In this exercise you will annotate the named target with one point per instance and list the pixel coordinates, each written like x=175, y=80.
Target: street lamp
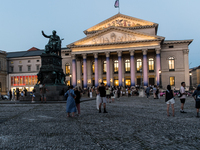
x=70, y=79
x=190, y=81
x=141, y=78
x=160, y=82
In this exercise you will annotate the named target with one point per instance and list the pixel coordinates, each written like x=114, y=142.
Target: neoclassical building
x=126, y=51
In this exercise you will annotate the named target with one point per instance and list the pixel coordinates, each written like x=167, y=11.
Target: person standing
x=154, y=91
x=118, y=92
x=10, y=93
x=33, y=96
x=182, y=98
x=197, y=99
x=108, y=95
x=102, y=92
x=169, y=99
x=147, y=91
x=77, y=99
x=14, y=94
x=71, y=105
x=43, y=93
x=17, y=91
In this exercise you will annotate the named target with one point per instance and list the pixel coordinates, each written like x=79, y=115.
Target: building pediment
x=120, y=20
x=114, y=35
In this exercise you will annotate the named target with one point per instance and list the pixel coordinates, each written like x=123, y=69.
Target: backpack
x=198, y=95
x=179, y=94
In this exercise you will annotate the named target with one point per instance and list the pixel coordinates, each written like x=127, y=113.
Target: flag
x=116, y=4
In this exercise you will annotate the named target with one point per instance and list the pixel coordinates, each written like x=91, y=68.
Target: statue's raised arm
x=45, y=35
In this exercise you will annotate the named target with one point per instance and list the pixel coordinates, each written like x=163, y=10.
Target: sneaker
x=105, y=112
x=184, y=111
x=181, y=111
x=33, y=101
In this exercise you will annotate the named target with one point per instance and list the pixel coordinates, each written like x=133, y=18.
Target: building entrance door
x=151, y=81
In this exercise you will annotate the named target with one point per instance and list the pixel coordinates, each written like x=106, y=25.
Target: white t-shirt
x=182, y=90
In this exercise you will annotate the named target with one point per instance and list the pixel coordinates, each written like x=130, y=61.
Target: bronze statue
x=54, y=44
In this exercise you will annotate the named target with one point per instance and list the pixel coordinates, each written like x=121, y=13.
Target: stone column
x=120, y=67
x=74, y=70
x=186, y=64
x=78, y=72
x=158, y=65
x=132, y=67
x=96, y=69
x=108, y=68
x=145, y=71
x=84, y=70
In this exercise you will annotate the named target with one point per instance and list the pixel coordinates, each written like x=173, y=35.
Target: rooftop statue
x=54, y=44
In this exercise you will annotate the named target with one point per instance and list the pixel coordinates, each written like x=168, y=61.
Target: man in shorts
x=182, y=98
x=43, y=93
x=102, y=91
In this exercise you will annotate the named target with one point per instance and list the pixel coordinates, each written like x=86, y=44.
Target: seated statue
x=54, y=44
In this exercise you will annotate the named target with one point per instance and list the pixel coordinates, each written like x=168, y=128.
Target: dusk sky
x=23, y=20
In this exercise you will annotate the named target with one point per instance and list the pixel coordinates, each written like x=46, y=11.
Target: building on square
x=195, y=76
x=123, y=50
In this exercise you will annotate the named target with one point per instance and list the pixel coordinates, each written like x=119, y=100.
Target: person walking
x=182, y=98
x=154, y=91
x=147, y=91
x=169, y=99
x=71, y=105
x=13, y=94
x=197, y=99
x=102, y=92
x=33, y=96
x=108, y=95
x=77, y=99
x=118, y=92
x=10, y=92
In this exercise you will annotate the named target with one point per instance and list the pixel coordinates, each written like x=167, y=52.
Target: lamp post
x=190, y=81
x=141, y=78
x=70, y=79
x=160, y=82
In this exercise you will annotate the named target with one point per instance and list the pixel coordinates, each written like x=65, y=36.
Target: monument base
x=53, y=92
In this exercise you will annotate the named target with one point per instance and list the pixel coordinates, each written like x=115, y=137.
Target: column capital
x=84, y=55
x=95, y=55
x=185, y=51
x=144, y=51
x=73, y=56
x=132, y=52
x=157, y=50
x=107, y=54
x=119, y=53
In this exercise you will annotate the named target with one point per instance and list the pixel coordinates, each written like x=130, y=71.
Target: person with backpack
x=182, y=96
x=169, y=99
x=197, y=99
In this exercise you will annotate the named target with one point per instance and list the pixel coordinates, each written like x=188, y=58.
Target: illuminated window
x=139, y=65
x=172, y=81
x=116, y=82
x=104, y=67
x=67, y=69
x=128, y=82
x=105, y=82
x=171, y=63
x=93, y=67
x=151, y=65
x=127, y=66
x=116, y=65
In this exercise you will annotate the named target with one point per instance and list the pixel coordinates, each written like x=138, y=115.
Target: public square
x=131, y=123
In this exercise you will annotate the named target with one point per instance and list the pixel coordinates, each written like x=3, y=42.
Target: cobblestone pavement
x=131, y=123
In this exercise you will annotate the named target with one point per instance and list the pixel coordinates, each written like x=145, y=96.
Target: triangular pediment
x=115, y=35
x=120, y=20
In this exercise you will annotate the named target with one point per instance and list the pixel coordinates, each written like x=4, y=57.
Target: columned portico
x=74, y=70
x=120, y=67
x=145, y=73
x=132, y=67
x=84, y=70
x=158, y=66
x=96, y=69
x=108, y=68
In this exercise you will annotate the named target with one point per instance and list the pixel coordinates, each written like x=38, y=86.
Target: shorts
x=102, y=100
x=43, y=95
x=33, y=95
x=108, y=96
x=197, y=104
x=171, y=101
x=182, y=100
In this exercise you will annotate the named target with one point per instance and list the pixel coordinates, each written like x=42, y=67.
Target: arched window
x=93, y=68
x=116, y=65
x=171, y=64
x=151, y=65
x=139, y=65
x=127, y=66
x=67, y=69
x=104, y=67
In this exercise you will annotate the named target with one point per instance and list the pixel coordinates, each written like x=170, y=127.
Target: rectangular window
x=139, y=65
x=11, y=69
x=12, y=81
x=29, y=61
x=38, y=60
x=67, y=69
x=172, y=81
x=38, y=67
x=29, y=68
x=20, y=68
